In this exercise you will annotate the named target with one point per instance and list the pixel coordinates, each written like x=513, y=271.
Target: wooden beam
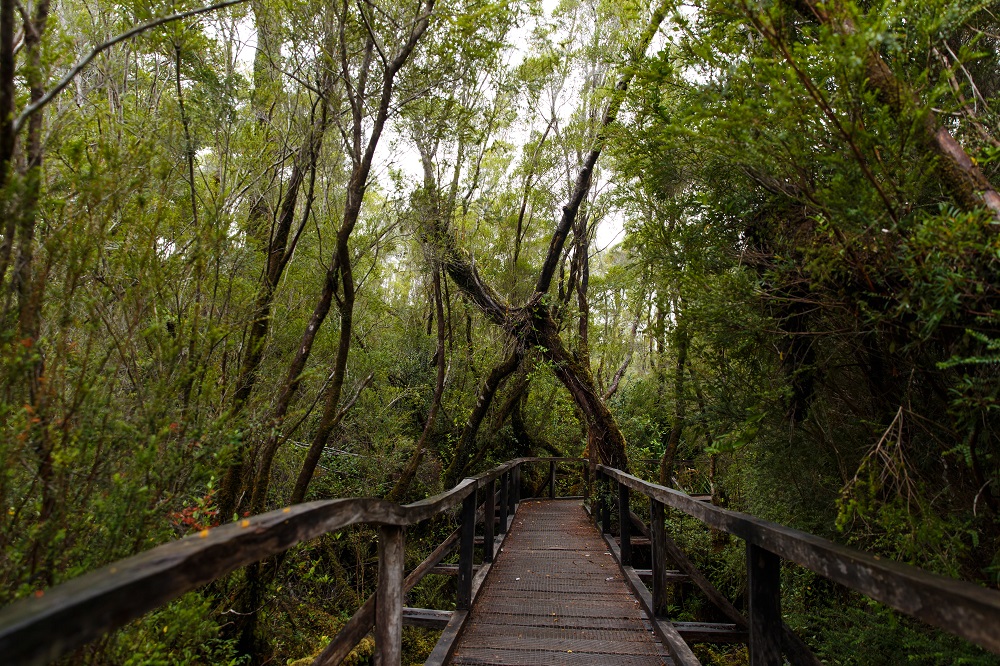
x=364, y=618
x=428, y=618
x=604, y=489
x=711, y=632
x=670, y=577
x=764, y=601
x=678, y=648
x=504, y=501
x=958, y=607
x=389, y=596
x=624, y=524
x=489, y=520
x=657, y=533
x=719, y=600
x=42, y=628
x=446, y=644
x=465, y=554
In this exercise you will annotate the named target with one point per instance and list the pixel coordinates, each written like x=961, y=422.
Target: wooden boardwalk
x=555, y=595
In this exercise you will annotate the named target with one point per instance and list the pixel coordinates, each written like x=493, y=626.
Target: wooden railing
x=960, y=608
x=40, y=629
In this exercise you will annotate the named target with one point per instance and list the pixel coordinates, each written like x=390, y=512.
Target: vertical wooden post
x=764, y=606
x=586, y=481
x=604, y=488
x=657, y=534
x=517, y=488
x=489, y=520
x=624, y=524
x=504, y=500
x=598, y=502
x=467, y=540
x=389, y=596
x=552, y=479
x=511, y=499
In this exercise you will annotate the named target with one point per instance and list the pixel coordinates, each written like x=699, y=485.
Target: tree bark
x=281, y=246
x=8, y=95
x=356, y=188
x=677, y=426
x=459, y=464
x=406, y=478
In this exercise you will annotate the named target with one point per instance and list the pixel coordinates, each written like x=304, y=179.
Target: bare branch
x=31, y=109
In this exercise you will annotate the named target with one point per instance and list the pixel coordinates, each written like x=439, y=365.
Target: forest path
x=556, y=595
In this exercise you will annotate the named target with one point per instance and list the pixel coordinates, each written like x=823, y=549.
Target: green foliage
x=799, y=302
x=183, y=632
x=864, y=632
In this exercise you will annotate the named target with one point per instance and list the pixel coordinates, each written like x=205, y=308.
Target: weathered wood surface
x=710, y=632
x=427, y=618
x=795, y=649
x=446, y=644
x=671, y=577
x=624, y=524
x=555, y=596
x=680, y=651
x=961, y=608
x=40, y=629
x=504, y=501
x=658, y=573
x=466, y=551
x=389, y=596
x=764, y=606
x=489, y=520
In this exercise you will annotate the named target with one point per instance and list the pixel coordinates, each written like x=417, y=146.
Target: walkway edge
x=678, y=647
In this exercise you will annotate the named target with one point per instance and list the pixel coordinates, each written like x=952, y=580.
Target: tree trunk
x=362, y=155
x=331, y=414
x=487, y=392
x=670, y=450
x=281, y=246
x=403, y=483
x=8, y=95
x=603, y=434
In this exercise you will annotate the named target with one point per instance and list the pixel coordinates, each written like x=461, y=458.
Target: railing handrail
x=959, y=607
x=41, y=628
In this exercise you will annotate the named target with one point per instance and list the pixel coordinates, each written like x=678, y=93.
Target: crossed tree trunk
x=532, y=324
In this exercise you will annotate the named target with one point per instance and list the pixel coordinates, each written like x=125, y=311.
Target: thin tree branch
x=31, y=109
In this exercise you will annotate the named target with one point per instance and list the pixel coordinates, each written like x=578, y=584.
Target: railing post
x=389, y=596
x=511, y=498
x=586, y=481
x=657, y=534
x=466, y=550
x=504, y=500
x=624, y=524
x=598, y=503
x=764, y=606
x=552, y=479
x=604, y=490
x=489, y=520
x=516, y=489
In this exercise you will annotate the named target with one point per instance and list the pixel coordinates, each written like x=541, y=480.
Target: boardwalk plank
x=555, y=595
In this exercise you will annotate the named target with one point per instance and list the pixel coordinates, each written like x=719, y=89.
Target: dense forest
x=269, y=251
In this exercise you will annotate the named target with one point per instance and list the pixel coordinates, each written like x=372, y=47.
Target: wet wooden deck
x=555, y=595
